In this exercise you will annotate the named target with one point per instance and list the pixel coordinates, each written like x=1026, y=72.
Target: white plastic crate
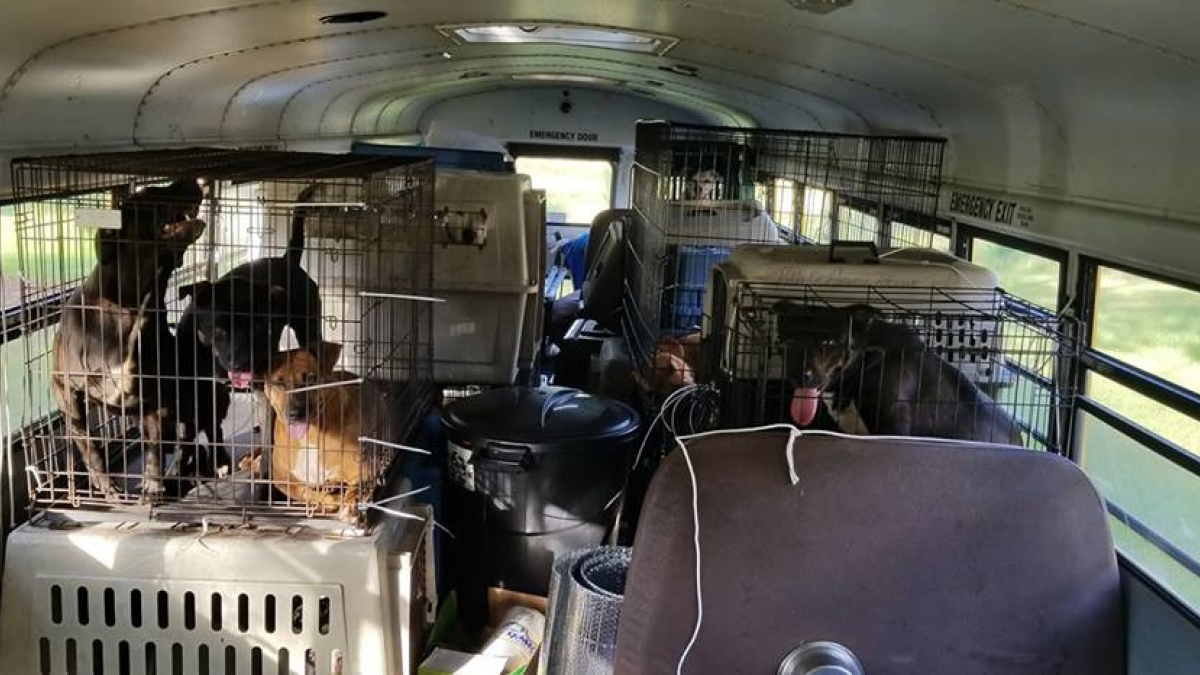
x=487, y=284
x=719, y=223
x=152, y=598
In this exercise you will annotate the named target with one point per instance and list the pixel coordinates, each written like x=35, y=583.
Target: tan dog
x=672, y=366
x=316, y=459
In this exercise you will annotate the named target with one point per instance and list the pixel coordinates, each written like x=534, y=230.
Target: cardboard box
x=500, y=600
x=450, y=662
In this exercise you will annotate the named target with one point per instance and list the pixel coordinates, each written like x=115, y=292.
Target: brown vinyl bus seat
x=922, y=557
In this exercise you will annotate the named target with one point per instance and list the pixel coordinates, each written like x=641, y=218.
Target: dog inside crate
x=216, y=305
x=876, y=375
x=972, y=364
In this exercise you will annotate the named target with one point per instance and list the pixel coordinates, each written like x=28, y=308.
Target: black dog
x=234, y=324
x=898, y=386
x=114, y=347
x=203, y=401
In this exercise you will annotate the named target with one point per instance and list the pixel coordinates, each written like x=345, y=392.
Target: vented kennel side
x=701, y=191
x=367, y=227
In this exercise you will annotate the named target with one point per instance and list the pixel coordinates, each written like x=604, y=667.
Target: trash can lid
x=539, y=415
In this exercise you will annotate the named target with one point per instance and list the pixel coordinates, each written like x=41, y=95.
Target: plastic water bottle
x=517, y=638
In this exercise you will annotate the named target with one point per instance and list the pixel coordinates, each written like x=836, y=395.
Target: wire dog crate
x=964, y=363
x=216, y=332
x=700, y=191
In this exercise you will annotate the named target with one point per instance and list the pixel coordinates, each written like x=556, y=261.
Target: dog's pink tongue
x=804, y=405
x=241, y=378
x=297, y=429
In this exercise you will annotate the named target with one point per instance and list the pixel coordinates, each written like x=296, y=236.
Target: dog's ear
x=327, y=354
x=788, y=320
x=277, y=361
x=861, y=319
x=197, y=291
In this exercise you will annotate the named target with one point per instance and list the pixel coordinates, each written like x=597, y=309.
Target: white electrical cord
x=696, y=551
x=687, y=459
x=670, y=403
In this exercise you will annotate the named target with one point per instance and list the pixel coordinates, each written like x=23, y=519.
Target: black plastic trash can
x=531, y=472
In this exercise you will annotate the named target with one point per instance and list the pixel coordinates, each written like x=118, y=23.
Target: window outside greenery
x=1154, y=326
x=1025, y=275
x=1149, y=324
x=906, y=235
x=783, y=203
x=576, y=189
x=17, y=378
x=1156, y=492
x=817, y=219
x=855, y=225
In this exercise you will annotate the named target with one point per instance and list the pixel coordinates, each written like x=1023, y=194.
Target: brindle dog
x=853, y=356
x=114, y=347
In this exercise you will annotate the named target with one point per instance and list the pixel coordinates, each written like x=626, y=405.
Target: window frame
x=777, y=211
x=1162, y=592
x=1078, y=290
x=965, y=248
x=887, y=213
x=612, y=155
x=1156, y=388
x=860, y=214
x=20, y=319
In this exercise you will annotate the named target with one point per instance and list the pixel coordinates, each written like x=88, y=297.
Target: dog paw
x=152, y=493
x=251, y=462
x=103, y=484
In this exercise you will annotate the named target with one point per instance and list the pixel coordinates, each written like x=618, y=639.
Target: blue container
x=684, y=286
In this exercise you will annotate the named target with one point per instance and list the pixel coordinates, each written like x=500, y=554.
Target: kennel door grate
x=165, y=626
x=267, y=251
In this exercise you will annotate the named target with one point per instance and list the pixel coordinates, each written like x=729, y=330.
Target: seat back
x=920, y=556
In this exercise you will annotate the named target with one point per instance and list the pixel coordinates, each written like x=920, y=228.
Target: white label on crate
x=98, y=219
x=462, y=472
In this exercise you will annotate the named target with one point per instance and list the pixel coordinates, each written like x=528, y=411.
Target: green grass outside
x=576, y=189
x=1155, y=327
x=1152, y=325
x=1156, y=492
x=1027, y=276
x=26, y=389
x=52, y=263
x=54, y=258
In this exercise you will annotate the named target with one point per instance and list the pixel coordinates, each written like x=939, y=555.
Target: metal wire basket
x=175, y=302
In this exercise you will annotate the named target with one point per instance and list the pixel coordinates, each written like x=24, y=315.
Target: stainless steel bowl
x=821, y=658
